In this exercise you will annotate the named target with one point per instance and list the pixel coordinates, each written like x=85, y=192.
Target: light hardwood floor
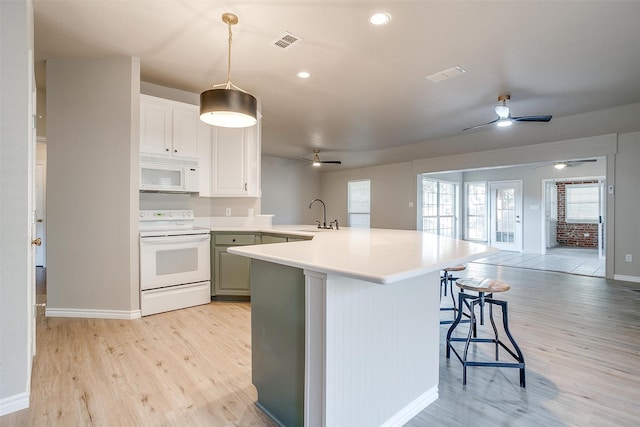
x=580, y=337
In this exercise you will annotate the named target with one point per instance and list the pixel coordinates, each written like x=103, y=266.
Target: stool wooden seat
x=446, y=281
x=485, y=289
x=482, y=285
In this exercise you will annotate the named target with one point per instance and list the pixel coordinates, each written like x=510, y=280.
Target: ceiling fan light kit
x=506, y=119
x=316, y=162
x=226, y=105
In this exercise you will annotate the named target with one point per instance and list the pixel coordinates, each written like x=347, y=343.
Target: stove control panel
x=166, y=215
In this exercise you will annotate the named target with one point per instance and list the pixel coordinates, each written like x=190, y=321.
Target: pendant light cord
x=229, y=58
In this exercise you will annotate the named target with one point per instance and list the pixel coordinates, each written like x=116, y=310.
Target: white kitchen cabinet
x=232, y=163
x=168, y=128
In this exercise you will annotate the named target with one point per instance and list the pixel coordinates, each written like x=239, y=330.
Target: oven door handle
x=162, y=240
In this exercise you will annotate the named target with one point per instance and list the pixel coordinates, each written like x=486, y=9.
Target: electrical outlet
x=628, y=258
x=228, y=213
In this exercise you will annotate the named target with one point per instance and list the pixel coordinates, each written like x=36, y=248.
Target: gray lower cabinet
x=281, y=238
x=273, y=238
x=231, y=274
x=278, y=340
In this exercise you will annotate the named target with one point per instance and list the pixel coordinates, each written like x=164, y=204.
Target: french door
x=505, y=215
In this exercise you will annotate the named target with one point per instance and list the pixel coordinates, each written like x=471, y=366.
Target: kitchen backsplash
x=257, y=221
x=202, y=206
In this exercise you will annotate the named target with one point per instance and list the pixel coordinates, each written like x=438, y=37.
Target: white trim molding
x=14, y=403
x=625, y=278
x=92, y=314
x=413, y=408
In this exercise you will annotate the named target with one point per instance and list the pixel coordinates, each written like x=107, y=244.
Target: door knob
x=37, y=242
x=39, y=220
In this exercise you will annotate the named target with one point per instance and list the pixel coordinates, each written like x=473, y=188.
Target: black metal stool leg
x=454, y=325
x=495, y=330
x=518, y=353
x=472, y=309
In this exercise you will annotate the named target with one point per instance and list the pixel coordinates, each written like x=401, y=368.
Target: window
x=439, y=207
x=359, y=204
x=582, y=203
x=476, y=211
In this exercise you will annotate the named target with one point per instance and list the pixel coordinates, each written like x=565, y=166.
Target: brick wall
x=573, y=234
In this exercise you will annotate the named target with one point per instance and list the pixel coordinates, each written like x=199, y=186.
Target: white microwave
x=168, y=175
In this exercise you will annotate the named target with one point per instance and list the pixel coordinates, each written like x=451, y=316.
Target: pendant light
x=227, y=105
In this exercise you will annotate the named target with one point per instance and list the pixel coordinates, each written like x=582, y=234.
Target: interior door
x=39, y=215
x=31, y=196
x=551, y=214
x=601, y=221
x=505, y=215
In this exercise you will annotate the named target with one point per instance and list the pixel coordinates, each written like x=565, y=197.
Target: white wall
x=92, y=186
x=16, y=39
x=627, y=202
x=288, y=186
x=393, y=187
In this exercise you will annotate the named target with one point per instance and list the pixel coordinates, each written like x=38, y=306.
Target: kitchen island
x=345, y=327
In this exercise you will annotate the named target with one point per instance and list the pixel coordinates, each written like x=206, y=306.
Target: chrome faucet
x=324, y=213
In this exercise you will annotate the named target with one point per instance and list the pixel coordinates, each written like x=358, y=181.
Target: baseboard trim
x=92, y=314
x=14, y=403
x=635, y=279
x=413, y=408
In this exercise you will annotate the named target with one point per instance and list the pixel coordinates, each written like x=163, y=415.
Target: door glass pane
x=505, y=215
x=476, y=211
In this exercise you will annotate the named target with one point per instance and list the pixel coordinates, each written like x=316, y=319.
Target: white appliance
x=174, y=261
x=169, y=175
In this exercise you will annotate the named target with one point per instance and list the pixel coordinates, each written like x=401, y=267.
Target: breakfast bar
x=345, y=327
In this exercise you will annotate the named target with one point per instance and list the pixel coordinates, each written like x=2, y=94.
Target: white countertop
x=375, y=255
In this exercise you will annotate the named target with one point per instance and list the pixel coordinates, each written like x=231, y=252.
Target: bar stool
x=446, y=280
x=485, y=289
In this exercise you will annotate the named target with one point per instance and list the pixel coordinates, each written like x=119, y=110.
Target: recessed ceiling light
x=304, y=75
x=380, y=19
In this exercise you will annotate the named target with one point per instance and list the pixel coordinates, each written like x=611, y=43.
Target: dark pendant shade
x=228, y=108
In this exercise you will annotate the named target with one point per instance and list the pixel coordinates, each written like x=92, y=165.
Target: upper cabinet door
x=155, y=126
x=185, y=131
x=168, y=128
x=229, y=155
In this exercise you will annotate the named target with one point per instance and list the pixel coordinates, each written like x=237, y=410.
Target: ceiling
x=367, y=91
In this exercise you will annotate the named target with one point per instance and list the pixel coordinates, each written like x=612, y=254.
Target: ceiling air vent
x=446, y=74
x=286, y=41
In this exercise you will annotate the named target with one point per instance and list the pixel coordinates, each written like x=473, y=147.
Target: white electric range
x=174, y=261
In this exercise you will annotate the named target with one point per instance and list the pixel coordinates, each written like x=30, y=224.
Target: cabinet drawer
x=235, y=239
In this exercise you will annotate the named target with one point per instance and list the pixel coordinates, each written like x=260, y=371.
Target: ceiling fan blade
x=333, y=162
x=479, y=126
x=532, y=119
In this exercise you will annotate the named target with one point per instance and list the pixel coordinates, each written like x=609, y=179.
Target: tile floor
x=561, y=258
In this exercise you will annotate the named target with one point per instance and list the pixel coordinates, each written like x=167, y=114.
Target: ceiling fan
x=567, y=163
x=317, y=162
x=506, y=119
